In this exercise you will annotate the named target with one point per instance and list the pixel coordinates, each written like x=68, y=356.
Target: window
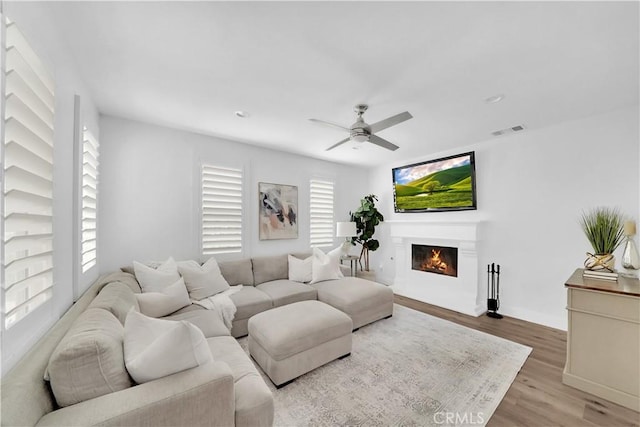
x=28, y=179
x=221, y=210
x=89, y=193
x=321, y=213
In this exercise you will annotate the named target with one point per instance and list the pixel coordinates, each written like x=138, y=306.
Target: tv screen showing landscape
x=444, y=184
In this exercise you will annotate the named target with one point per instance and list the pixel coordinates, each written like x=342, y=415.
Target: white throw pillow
x=156, y=279
x=159, y=304
x=335, y=255
x=155, y=348
x=202, y=280
x=300, y=269
x=324, y=267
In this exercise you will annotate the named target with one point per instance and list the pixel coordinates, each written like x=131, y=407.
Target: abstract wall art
x=278, y=211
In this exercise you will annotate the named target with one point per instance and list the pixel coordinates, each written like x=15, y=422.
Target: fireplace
x=435, y=259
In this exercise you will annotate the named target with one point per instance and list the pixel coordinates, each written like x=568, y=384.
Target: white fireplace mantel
x=463, y=293
x=445, y=230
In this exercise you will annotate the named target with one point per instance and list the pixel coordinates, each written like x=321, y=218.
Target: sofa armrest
x=196, y=397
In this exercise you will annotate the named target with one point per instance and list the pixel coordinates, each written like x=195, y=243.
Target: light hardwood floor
x=537, y=397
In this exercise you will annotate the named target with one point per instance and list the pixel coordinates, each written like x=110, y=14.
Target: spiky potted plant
x=604, y=229
x=366, y=218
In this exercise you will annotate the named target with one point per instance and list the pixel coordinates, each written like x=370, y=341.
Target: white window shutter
x=321, y=213
x=221, y=210
x=89, y=202
x=28, y=179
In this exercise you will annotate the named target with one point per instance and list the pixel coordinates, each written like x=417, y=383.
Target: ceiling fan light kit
x=361, y=132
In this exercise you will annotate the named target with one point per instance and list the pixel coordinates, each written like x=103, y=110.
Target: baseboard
x=545, y=319
x=621, y=398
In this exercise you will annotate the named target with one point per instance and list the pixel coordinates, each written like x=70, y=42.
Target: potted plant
x=366, y=218
x=604, y=230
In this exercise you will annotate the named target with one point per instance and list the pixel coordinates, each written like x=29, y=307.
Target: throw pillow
x=300, y=269
x=335, y=255
x=159, y=304
x=155, y=348
x=202, y=280
x=324, y=267
x=156, y=279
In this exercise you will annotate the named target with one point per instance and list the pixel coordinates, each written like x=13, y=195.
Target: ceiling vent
x=514, y=129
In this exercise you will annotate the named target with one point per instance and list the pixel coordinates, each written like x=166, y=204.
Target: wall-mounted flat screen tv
x=446, y=184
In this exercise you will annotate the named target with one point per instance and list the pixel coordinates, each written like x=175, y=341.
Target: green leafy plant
x=603, y=228
x=366, y=217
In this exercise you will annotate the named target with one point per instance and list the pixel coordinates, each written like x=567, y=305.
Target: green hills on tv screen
x=449, y=188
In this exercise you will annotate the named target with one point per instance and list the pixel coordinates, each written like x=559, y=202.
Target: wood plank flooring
x=537, y=397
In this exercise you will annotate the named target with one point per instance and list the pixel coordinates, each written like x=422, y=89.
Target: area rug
x=410, y=370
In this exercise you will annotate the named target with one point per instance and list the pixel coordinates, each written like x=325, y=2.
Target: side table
x=353, y=259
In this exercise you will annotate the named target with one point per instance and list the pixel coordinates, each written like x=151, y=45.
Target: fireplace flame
x=435, y=263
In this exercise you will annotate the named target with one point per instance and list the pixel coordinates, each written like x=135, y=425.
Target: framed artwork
x=277, y=211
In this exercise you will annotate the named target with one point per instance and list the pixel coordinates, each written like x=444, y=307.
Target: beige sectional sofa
x=229, y=391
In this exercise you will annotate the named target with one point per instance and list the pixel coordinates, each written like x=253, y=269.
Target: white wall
x=532, y=188
x=34, y=22
x=149, y=191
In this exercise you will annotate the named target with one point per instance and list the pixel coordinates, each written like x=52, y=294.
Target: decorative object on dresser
x=603, y=338
x=347, y=230
x=278, y=211
x=630, y=257
x=493, y=290
x=366, y=217
x=603, y=228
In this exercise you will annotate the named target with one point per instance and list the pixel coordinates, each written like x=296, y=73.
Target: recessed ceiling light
x=241, y=114
x=493, y=99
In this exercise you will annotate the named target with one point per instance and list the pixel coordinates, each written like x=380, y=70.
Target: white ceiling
x=191, y=65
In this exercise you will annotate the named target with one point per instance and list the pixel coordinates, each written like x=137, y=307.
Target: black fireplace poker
x=493, y=290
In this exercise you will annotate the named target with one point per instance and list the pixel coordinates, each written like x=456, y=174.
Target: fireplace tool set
x=493, y=290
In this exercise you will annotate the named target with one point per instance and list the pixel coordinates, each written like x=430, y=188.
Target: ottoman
x=363, y=300
x=294, y=339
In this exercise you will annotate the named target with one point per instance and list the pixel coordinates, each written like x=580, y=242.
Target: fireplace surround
x=463, y=293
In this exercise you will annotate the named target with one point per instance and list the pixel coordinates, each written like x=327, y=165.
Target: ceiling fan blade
x=335, y=125
x=339, y=143
x=382, y=143
x=390, y=121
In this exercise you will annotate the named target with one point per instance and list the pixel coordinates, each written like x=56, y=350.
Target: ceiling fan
x=363, y=132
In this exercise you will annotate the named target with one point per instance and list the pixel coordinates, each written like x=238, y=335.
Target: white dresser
x=603, y=338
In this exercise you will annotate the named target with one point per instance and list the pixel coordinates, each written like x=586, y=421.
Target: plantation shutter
x=221, y=210
x=28, y=179
x=90, y=147
x=321, y=213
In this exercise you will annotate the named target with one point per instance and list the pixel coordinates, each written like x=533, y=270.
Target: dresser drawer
x=603, y=303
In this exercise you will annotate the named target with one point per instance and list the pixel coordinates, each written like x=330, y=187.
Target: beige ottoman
x=363, y=300
x=294, y=339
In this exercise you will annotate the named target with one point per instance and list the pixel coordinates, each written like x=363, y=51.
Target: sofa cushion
x=155, y=348
x=169, y=300
x=208, y=321
x=237, y=272
x=268, y=268
x=117, y=298
x=156, y=279
x=202, y=280
x=128, y=279
x=89, y=361
x=254, y=401
x=249, y=301
x=284, y=292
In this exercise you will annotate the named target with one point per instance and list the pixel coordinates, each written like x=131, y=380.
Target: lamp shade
x=346, y=229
